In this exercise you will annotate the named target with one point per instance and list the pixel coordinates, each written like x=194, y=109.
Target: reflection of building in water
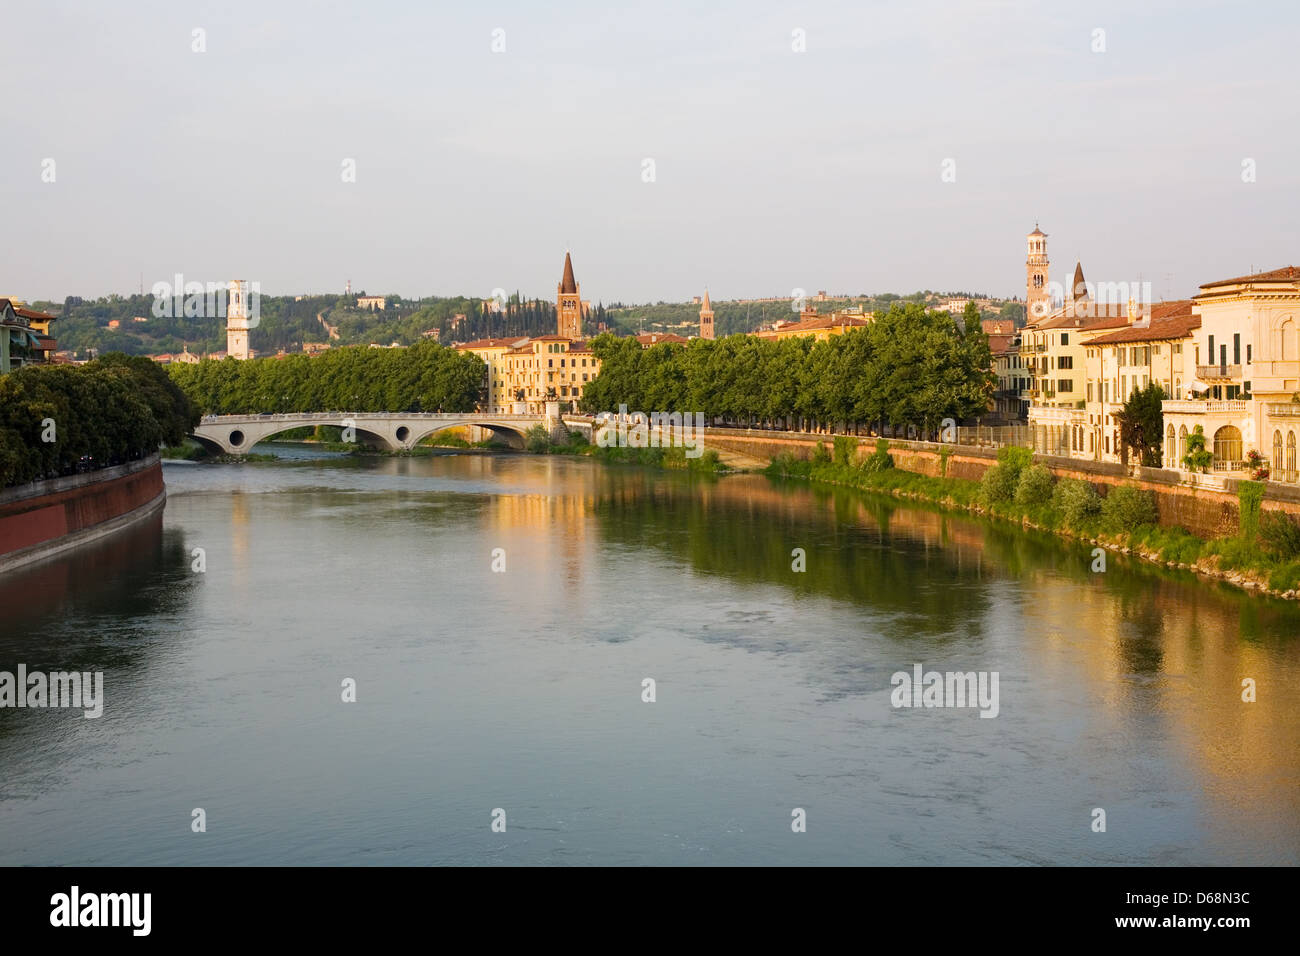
x=558, y=518
x=239, y=531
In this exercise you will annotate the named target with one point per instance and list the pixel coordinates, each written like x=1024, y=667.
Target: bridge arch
x=395, y=431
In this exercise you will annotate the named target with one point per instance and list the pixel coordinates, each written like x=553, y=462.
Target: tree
x=1197, y=458
x=1141, y=424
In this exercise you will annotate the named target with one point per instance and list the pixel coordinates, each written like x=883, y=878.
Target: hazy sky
x=774, y=169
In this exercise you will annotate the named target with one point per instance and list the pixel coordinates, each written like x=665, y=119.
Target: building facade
x=1246, y=392
x=568, y=304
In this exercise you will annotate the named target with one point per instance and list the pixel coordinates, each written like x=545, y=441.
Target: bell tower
x=568, y=303
x=706, y=317
x=1038, y=300
x=237, y=319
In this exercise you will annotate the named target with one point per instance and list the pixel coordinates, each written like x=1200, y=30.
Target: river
x=521, y=690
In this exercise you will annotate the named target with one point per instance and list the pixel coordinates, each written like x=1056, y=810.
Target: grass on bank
x=1015, y=489
x=538, y=441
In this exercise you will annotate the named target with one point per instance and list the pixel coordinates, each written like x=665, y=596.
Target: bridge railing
x=361, y=416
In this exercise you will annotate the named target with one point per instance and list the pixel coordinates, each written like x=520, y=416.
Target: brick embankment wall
x=1207, y=512
x=35, y=518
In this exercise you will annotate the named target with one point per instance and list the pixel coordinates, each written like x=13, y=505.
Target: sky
x=753, y=148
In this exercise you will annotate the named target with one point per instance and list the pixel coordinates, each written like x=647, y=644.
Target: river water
x=521, y=690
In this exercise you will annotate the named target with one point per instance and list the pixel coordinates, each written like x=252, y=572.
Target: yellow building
x=818, y=327
x=1246, y=394
x=1157, y=347
x=1052, y=349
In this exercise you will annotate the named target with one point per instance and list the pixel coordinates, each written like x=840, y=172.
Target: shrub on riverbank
x=60, y=419
x=1126, y=518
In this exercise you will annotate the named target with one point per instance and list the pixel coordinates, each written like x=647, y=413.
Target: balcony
x=1283, y=410
x=1211, y=373
x=1192, y=407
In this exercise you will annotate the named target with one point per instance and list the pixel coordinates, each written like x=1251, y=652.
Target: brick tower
x=568, y=303
x=706, y=317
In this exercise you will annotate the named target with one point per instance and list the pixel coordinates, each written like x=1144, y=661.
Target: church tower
x=706, y=317
x=237, y=321
x=1038, y=300
x=568, y=303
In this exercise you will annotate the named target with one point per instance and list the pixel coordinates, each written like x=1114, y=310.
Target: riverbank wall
x=1207, y=512
x=46, y=518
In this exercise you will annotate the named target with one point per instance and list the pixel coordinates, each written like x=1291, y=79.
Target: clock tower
x=1038, y=300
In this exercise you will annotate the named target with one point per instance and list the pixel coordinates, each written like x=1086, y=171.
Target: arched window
x=1277, y=454
x=1227, y=448
x=1182, y=443
x=1171, y=447
x=1288, y=343
x=1290, y=456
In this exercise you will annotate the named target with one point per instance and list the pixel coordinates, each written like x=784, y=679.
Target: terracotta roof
x=1085, y=315
x=1176, y=327
x=706, y=306
x=492, y=343
x=1037, y=231
x=1000, y=343
x=1286, y=274
x=568, y=283
x=998, y=326
x=33, y=314
x=814, y=325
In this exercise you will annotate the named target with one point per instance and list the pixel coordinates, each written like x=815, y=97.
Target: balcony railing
x=1225, y=465
x=1284, y=410
x=1208, y=373
x=1193, y=407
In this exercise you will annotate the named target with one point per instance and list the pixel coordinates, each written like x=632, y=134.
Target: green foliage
x=1127, y=507
x=880, y=459
x=1141, y=423
x=944, y=454
x=538, y=440
x=1077, y=501
x=820, y=455
x=424, y=378
x=1250, y=495
x=1034, y=487
x=1015, y=458
x=998, y=485
x=110, y=411
x=1197, y=458
x=845, y=450
x=909, y=366
x=1279, y=533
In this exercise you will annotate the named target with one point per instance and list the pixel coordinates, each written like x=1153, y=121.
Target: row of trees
x=909, y=366
x=423, y=378
x=59, y=419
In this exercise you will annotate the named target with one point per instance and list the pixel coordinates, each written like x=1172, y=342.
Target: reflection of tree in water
x=77, y=612
x=859, y=548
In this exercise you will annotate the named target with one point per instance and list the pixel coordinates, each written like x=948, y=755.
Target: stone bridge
x=394, y=431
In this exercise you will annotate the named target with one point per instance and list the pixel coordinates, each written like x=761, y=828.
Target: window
x=1065, y=385
x=1236, y=348
x=1090, y=391
x=1210, y=348
x=1065, y=361
x=1065, y=338
x=1290, y=456
x=1277, y=451
x=1247, y=353
x=1157, y=349
x=1178, y=348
